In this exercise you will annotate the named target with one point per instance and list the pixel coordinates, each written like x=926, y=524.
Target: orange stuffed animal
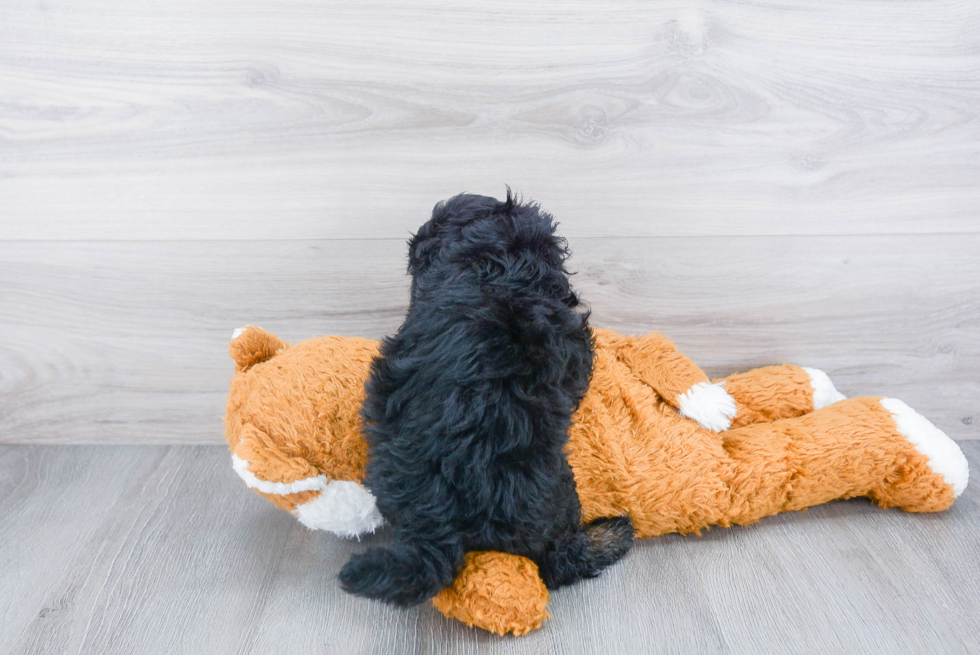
x=653, y=438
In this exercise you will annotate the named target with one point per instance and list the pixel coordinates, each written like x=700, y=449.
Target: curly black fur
x=468, y=408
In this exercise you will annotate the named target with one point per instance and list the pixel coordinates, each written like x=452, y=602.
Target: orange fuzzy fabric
x=754, y=391
x=498, y=592
x=297, y=415
x=293, y=414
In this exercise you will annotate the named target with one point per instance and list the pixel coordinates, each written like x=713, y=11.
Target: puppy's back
x=468, y=405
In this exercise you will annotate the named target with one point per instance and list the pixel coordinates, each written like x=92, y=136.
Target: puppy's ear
x=579, y=353
x=424, y=246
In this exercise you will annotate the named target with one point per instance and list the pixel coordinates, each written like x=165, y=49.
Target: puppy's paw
x=367, y=574
x=609, y=539
x=587, y=551
x=708, y=404
x=396, y=576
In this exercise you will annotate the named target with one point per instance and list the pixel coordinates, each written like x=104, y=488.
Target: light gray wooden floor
x=154, y=549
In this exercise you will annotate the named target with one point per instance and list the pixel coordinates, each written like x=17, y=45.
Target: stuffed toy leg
x=653, y=438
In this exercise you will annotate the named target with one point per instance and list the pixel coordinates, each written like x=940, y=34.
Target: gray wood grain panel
x=53, y=501
x=114, y=549
x=245, y=120
x=140, y=579
x=127, y=342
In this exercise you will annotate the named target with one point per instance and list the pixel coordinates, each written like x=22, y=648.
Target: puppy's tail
x=251, y=345
x=585, y=553
x=402, y=575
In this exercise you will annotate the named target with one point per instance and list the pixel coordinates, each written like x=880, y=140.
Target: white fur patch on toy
x=945, y=457
x=708, y=404
x=239, y=332
x=345, y=508
x=824, y=392
x=278, y=488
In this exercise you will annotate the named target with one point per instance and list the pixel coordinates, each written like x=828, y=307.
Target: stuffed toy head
x=293, y=425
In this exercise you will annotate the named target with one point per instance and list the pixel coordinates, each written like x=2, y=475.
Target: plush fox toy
x=653, y=438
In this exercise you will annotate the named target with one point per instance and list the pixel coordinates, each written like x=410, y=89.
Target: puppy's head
x=449, y=217
x=501, y=242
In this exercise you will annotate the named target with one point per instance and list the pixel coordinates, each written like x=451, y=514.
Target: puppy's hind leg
x=585, y=552
x=405, y=574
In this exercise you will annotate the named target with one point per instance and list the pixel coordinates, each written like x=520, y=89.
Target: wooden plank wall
x=787, y=181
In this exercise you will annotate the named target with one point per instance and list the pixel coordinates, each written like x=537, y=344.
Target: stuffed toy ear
x=499, y=592
x=251, y=345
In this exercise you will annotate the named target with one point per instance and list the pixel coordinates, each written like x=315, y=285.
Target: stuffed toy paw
x=499, y=592
x=708, y=404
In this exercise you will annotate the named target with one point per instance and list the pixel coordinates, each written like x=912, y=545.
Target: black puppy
x=468, y=408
